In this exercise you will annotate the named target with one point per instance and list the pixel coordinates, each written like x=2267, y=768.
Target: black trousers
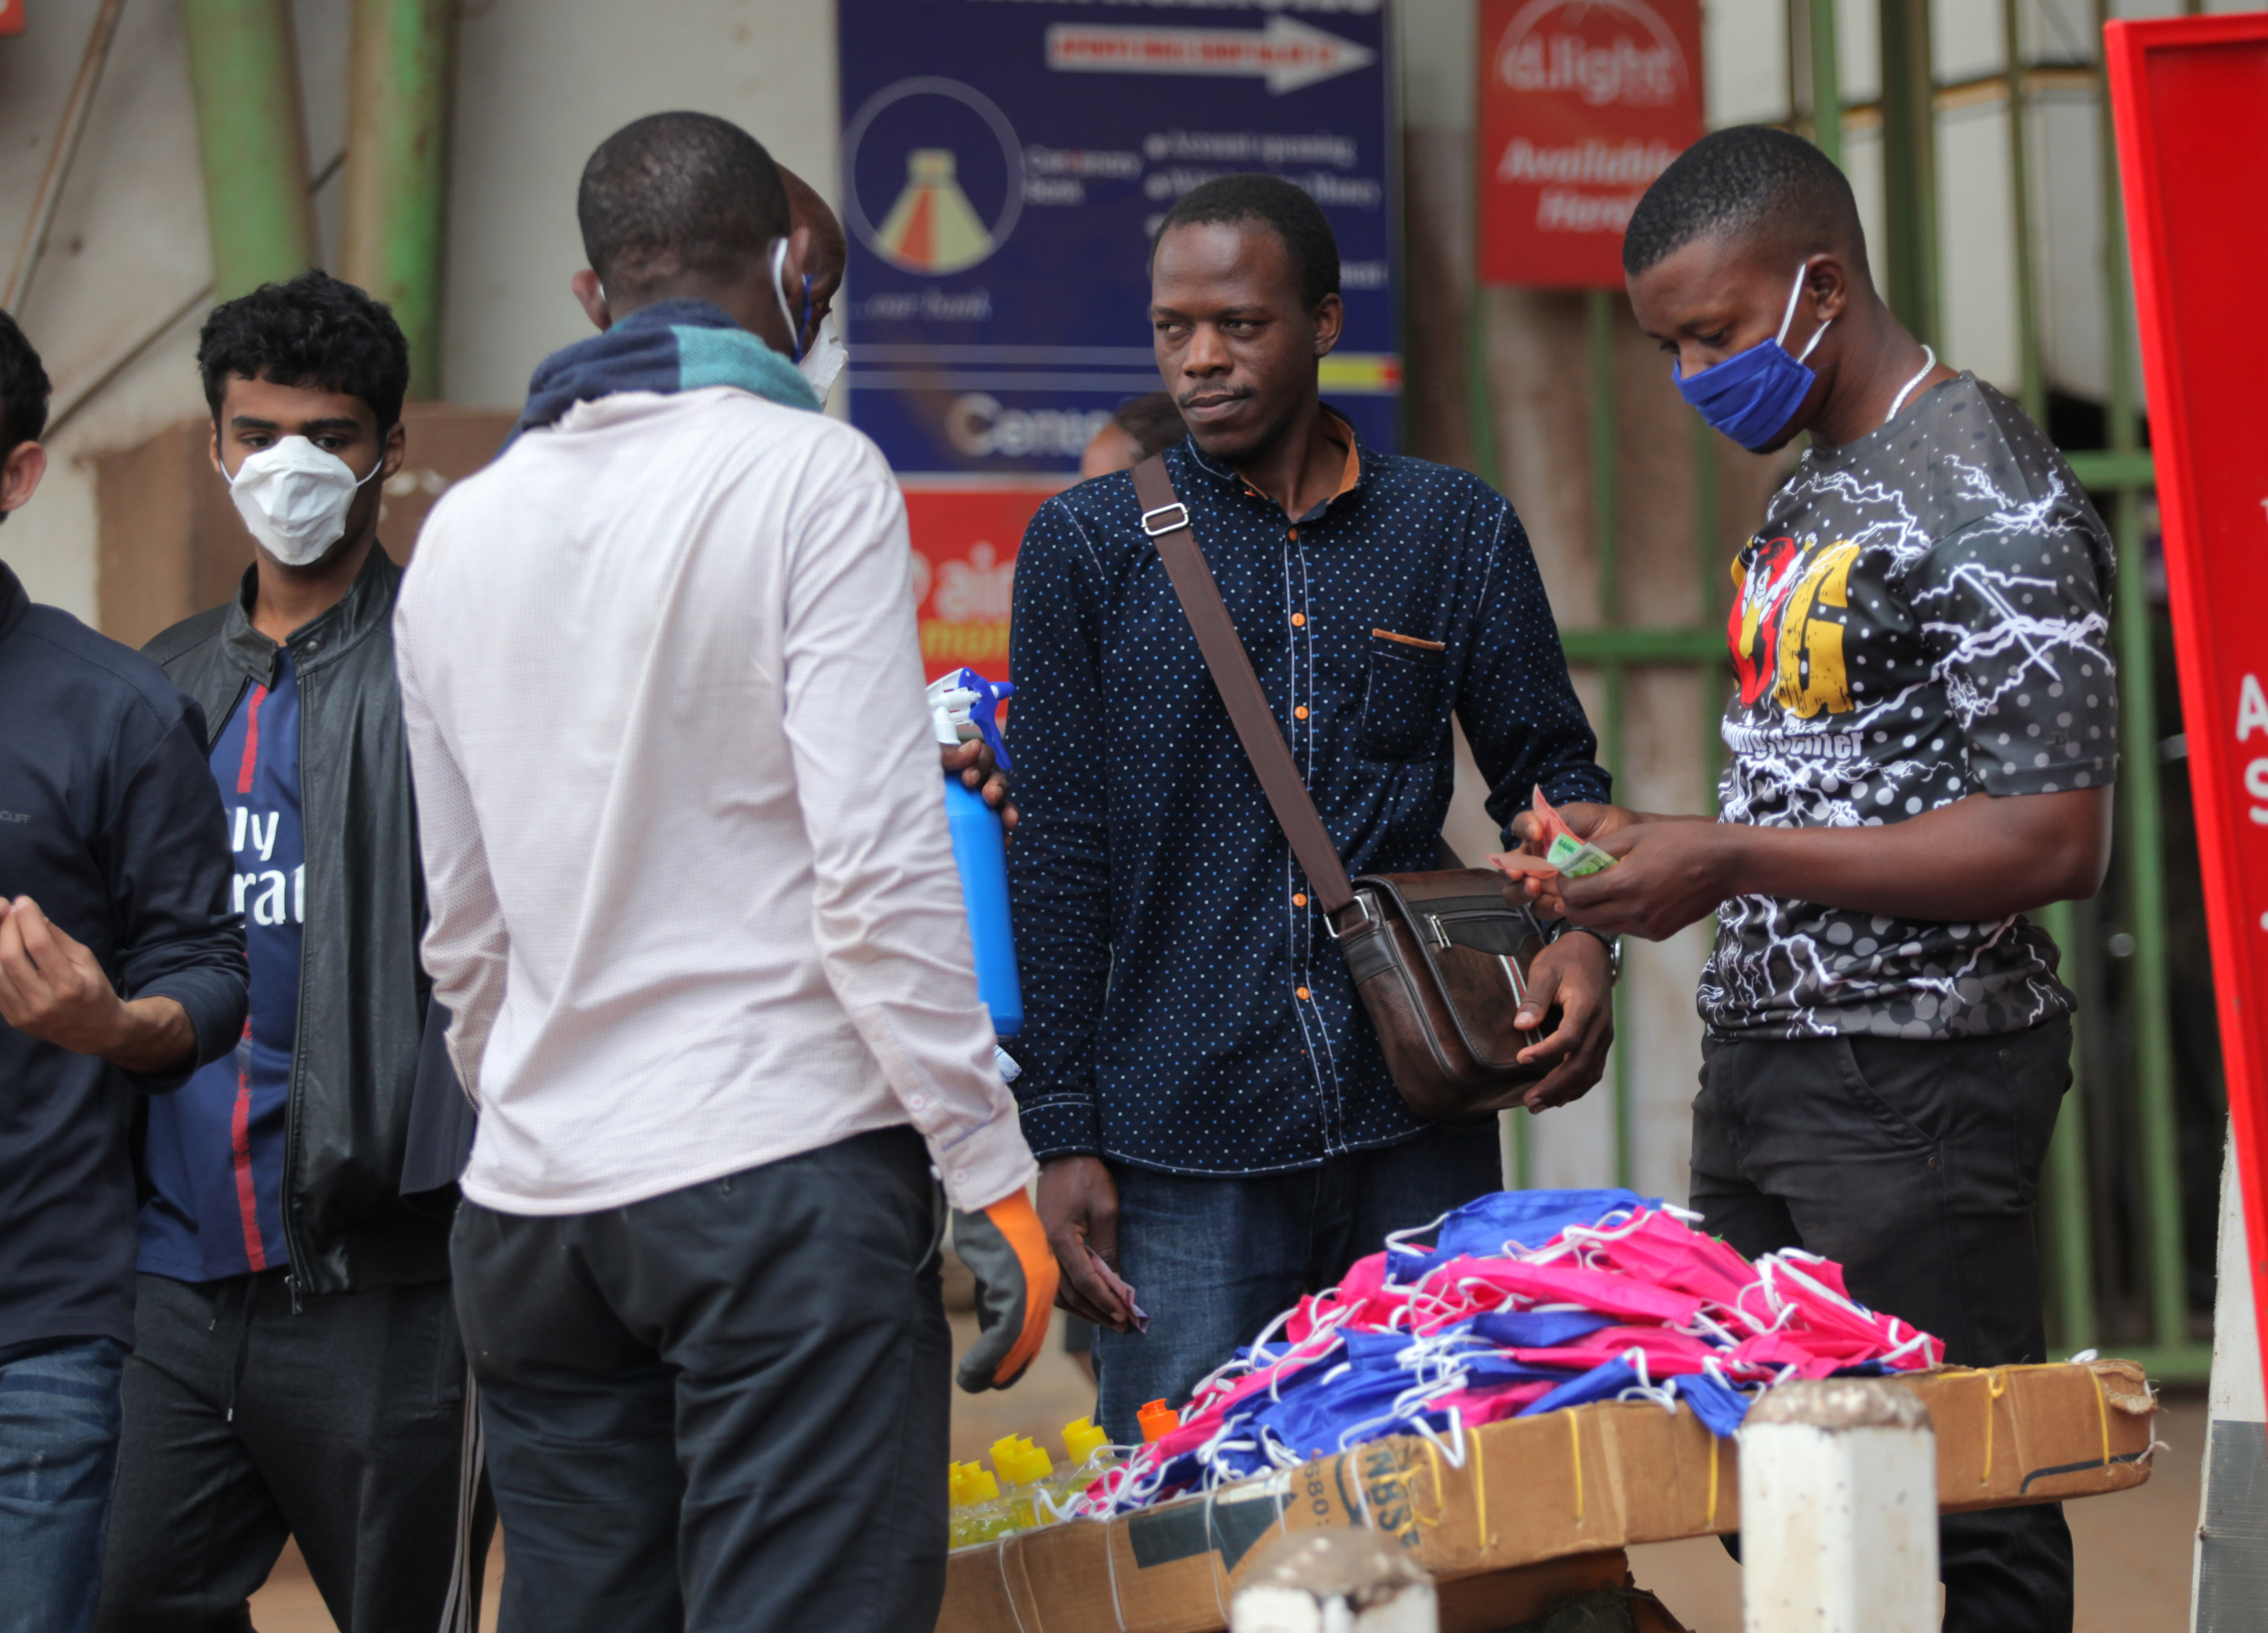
x=1917, y=1166
x=344, y=1426
x=723, y=1407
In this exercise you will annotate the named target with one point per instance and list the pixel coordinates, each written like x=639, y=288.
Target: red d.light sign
x=1582, y=104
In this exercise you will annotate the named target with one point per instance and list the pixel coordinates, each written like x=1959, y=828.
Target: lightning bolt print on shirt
x=1923, y=616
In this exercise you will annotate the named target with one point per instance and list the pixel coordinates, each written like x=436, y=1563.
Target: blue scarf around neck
x=671, y=346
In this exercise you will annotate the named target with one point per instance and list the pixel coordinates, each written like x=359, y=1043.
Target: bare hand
x=1586, y=820
x=1079, y=1209
x=978, y=770
x=1666, y=875
x=1574, y=973
x=53, y=989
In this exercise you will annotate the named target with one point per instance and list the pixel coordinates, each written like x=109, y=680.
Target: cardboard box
x=1540, y=1508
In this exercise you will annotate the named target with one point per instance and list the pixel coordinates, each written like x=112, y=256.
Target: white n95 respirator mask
x=294, y=497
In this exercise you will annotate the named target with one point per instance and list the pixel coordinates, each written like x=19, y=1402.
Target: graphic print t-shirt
x=214, y=1153
x=1925, y=616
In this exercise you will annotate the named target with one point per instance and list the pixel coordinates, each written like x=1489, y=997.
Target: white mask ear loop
x=1794, y=296
x=1899, y=402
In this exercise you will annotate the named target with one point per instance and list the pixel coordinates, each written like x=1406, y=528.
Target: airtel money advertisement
x=1582, y=104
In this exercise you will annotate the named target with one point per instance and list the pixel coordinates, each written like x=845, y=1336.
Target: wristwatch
x=1612, y=942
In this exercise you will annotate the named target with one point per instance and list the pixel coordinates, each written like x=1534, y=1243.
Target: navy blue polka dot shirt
x=1184, y=1007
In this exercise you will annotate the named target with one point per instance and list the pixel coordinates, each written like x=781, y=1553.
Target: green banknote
x=1577, y=858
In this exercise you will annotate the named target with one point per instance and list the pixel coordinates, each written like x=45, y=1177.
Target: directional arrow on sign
x=1288, y=54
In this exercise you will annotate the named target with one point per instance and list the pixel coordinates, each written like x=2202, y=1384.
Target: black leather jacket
x=363, y=992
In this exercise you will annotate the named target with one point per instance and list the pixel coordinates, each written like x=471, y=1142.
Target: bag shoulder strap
x=1166, y=520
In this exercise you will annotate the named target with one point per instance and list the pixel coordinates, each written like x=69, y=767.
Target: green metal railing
x=1907, y=112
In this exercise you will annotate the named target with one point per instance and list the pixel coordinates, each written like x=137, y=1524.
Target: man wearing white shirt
x=696, y=914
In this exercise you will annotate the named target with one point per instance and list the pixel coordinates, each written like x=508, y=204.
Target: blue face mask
x=1752, y=394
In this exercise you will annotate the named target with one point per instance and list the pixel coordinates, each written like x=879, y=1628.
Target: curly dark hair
x=24, y=389
x=1746, y=181
x=312, y=331
x=1295, y=217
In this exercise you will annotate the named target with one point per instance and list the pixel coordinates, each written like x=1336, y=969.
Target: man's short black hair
x=314, y=331
x=673, y=195
x=1747, y=181
x=1293, y=216
x=24, y=389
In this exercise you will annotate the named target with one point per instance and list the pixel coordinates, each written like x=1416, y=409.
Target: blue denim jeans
x=1213, y=1261
x=59, y=1414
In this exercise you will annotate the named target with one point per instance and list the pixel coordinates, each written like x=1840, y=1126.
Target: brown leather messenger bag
x=1440, y=958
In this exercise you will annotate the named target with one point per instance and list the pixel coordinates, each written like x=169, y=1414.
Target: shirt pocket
x=1402, y=697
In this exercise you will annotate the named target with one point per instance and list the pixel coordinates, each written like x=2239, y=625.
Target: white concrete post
x=2232, y=1546
x=1838, y=1510
x=1345, y=1581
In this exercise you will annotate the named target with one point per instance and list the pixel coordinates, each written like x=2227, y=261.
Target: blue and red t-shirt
x=214, y=1155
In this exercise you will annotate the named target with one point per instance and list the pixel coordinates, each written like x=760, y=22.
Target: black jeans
x=1916, y=1165
x=344, y=1426
x=723, y=1407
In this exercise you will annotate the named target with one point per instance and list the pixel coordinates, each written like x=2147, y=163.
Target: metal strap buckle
x=1369, y=915
x=1179, y=512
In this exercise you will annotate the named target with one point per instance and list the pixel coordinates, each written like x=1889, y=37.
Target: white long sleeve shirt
x=694, y=901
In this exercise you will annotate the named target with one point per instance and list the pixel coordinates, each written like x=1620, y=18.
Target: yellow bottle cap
x=981, y=1486
x=1033, y=1464
x=1082, y=1440
x=1004, y=1457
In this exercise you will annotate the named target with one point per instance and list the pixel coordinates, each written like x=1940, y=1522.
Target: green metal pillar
x=1605, y=544
x=252, y=140
x=1826, y=80
x=397, y=180
x=2141, y=828
x=1909, y=169
x=2069, y=1219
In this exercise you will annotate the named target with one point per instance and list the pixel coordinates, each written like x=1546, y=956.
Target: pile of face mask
x=1526, y=1302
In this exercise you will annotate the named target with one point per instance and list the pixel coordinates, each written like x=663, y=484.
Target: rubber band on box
x=1212, y=1555
x=1000, y=1553
x=1996, y=1384
x=1575, y=1438
x=1480, y=1491
x=1712, y=1524
x=2102, y=1413
x=1110, y=1561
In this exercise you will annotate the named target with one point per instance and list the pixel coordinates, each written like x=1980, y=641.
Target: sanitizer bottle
x=961, y=706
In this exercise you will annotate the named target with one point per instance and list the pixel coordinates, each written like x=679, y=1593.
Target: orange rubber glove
x=1015, y=1270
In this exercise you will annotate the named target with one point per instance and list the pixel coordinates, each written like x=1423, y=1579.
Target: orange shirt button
x=1298, y=620
x=1303, y=995
x=1295, y=535
x=1300, y=713
x=1300, y=899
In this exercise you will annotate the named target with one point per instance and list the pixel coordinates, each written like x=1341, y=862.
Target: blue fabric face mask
x=1752, y=394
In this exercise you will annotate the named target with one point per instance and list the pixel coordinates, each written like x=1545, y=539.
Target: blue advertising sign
x=1005, y=163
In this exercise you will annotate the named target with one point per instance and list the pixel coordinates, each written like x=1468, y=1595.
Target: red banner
x=964, y=540
x=1582, y=104
x=12, y=17
x=2191, y=98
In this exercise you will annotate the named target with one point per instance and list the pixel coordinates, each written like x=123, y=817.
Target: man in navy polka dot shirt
x=1212, y=1113
x=1923, y=744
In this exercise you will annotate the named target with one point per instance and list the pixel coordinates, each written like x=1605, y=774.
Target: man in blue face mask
x=1921, y=750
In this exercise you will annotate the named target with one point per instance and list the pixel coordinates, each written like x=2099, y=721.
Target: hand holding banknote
x=1660, y=873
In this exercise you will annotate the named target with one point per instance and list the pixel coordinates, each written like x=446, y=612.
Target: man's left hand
x=973, y=762
x=1666, y=875
x=54, y=990
x=1574, y=973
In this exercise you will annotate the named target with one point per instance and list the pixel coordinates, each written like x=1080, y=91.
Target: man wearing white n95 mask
x=697, y=920
x=296, y=1347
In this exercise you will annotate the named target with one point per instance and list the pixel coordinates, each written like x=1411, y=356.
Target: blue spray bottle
x=962, y=704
